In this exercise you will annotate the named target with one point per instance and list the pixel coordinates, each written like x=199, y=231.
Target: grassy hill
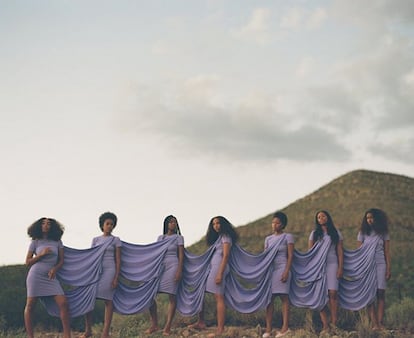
x=347, y=198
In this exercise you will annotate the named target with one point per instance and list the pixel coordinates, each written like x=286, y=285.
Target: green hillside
x=347, y=198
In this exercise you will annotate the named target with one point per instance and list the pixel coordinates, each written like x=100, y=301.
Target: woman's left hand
x=114, y=283
x=52, y=273
x=219, y=278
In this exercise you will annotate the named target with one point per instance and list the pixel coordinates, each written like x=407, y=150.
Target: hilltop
x=347, y=198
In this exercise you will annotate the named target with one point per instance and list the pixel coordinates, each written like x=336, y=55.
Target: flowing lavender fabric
x=248, y=285
x=358, y=287
x=308, y=284
x=190, y=293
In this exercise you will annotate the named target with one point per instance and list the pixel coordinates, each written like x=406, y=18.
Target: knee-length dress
x=104, y=289
x=38, y=283
x=379, y=254
x=211, y=285
x=280, y=261
x=331, y=262
x=170, y=265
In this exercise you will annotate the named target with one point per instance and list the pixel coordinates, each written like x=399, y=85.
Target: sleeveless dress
x=379, y=254
x=211, y=285
x=38, y=283
x=331, y=262
x=104, y=289
x=170, y=264
x=280, y=261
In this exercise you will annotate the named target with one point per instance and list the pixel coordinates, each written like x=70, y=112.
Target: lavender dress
x=211, y=285
x=38, y=283
x=379, y=254
x=331, y=262
x=280, y=261
x=104, y=290
x=170, y=265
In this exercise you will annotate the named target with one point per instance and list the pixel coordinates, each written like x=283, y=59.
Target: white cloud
x=258, y=26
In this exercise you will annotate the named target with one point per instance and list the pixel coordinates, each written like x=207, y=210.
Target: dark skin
x=31, y=259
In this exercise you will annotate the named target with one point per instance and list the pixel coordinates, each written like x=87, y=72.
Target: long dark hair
x=380, y=225
x=55, y=232
x=332, y=232
x=167, y=220
x=226, y=228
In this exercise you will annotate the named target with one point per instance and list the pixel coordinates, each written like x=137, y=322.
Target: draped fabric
x=358, y=287
x=190, y=294
x=308, y=285
x=248, y=285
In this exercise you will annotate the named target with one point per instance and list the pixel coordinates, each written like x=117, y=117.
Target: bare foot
x=152, y=329
x=197, y=326
x=85, y=335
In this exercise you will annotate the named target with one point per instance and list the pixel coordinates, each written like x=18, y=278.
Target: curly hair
x=55, y=232
x=332, y=232
x=168, y=220
x=225, y=228
x=380, y=225
x=105, y=216
x=282, y=217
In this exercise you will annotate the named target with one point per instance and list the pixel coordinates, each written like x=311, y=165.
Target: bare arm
x=224, y=260
x=31, y=258
x=359, y=244
x=387, y=258
x=179, y=272
x=310, y=244
x=117, y=266
x=340, y=254
x=285, y=274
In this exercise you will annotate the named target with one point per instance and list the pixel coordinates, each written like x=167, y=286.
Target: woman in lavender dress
x=45, y=258
x=325, y=230
x=374, y=231
x=222, y=235
x=111, y=266
x=171, y=274
x=281, y=274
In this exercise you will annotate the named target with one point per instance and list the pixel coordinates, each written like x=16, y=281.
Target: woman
x=45, y=258
x=325, y=230
x=374, y=231
x=111, y=265
x=281, y=274
x=222, y=235
x=171, y=274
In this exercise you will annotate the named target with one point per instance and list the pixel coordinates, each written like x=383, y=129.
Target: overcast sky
x=194, y=108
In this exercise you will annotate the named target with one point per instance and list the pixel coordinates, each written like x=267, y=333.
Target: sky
x=193, y=108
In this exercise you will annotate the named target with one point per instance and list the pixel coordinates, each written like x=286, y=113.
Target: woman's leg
x=200, y=324
x=269, y=315
x=62, y=303
x=373, y=316
x=28, y=312
x=154, y=318
x=333, y=304
x=170, y=315
x=381, y=307
x=88, y=325
x=285, y=312
x=221, y=313
x=109, y=310
x=324, y=319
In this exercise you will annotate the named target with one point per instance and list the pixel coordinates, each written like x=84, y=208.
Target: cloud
x=296, y=18
x=192, y=120
x=257, y=28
